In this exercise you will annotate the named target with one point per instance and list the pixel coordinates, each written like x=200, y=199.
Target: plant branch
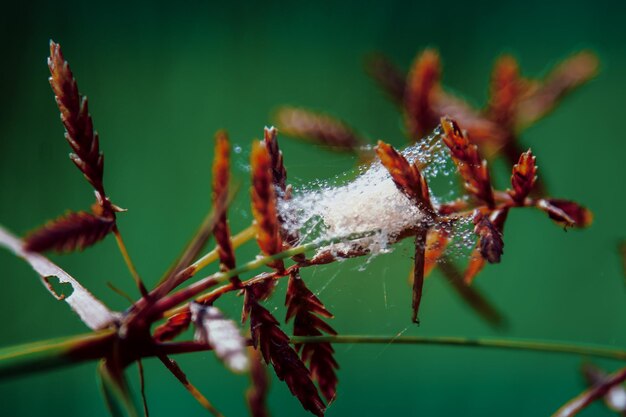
x=196, y=288
x=512, y=344
x=129, y=262
x=55, y=353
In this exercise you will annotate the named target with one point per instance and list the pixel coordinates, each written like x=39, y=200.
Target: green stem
x=196, y=288
x=511, y=344
x=55, y=353
x=45, y=355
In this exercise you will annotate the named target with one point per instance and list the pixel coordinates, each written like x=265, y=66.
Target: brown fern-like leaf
x=421, y=90
x=173, y=327
x=264, y=203
x=506, y=88
x=72, y=231
x=273, y=344
x=570, y=74
x=318, y=128
x=489, y=231
x=407, y=177
x=221, y=177
x=256, y=394
x=307, y=312
x=523, y=178
x=75, y=116
x=279, y=173
x=279, y=176
x=390, y=78
x=472, y=168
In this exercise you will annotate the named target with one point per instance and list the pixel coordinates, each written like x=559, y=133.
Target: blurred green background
x=162, y=78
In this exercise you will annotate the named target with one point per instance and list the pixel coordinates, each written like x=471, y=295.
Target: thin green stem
x=55, y=353
x=129, y=262
x=512, y=344
x=169, y=302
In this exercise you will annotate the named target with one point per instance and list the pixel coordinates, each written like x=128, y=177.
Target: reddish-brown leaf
x=77, y=120
x=318, y=128
x=279, y=176
x=256, y=395
x=174, y=326
x=407, y=177
x=436, y=242
x=264, y=203
x=506, y=88
x=523, y=177
x=273, y=344
x=565, y=212
x=565, y=77
x=279, y=173
x=390, y=78
x=471, y=295
x=307, y=311
x=221, y=177
x=479, y=128
x=72, y=231
x=489, y=231
x=421, y=90
x=476, y=264
x=418, y=272
x=472, y=168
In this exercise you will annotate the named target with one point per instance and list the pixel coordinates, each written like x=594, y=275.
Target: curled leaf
x=565, y=212
x=91, y=310
x=489, y=231
x=72, y=231
x=221, y=334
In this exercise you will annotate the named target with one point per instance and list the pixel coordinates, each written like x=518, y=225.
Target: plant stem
x=129, y=262
x=49, y=354
x=237, y=240
x=171, y=301
x=512, y=344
